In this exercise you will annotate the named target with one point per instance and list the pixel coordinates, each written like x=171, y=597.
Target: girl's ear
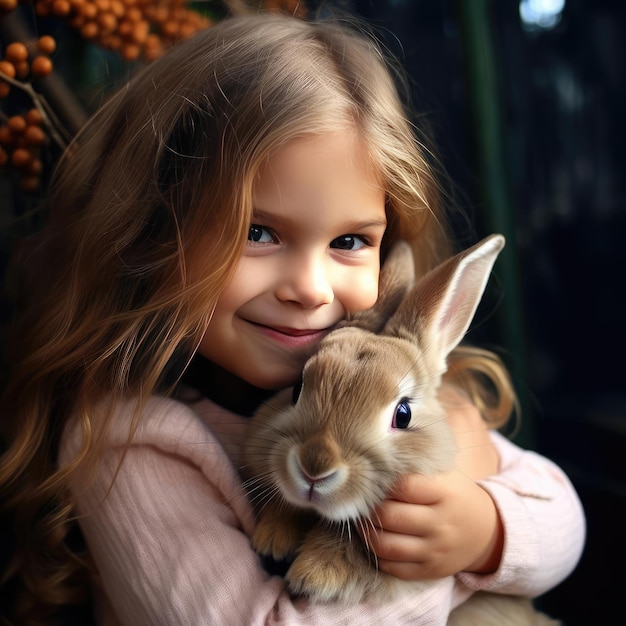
x=439, y=309
x=397, y=276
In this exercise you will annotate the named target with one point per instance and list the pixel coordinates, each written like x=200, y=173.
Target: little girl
x=215, y=219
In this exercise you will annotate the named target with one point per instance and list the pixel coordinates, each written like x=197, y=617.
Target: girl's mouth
x=292, y=337
x=294, y=332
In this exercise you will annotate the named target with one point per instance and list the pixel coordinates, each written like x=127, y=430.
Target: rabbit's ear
x=397, y=276
x=439, y=309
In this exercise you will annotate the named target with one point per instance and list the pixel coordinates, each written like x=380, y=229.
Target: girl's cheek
x=363, y=292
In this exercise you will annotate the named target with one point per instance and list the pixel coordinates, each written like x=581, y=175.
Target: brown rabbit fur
x=366, y=414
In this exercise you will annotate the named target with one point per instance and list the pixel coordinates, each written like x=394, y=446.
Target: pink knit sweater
x=171, y=537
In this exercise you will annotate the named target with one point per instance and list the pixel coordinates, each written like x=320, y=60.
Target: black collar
x=223, y=388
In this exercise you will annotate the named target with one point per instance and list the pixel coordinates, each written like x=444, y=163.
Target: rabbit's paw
x=274, y=539
x=321, y=578
x=330, y=568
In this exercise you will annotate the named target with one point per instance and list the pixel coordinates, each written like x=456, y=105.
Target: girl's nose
x=306, y=281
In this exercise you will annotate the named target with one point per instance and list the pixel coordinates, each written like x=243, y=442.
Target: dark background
x=529, y=119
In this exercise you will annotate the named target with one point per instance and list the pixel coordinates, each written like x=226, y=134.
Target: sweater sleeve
x=543, y=519
x=170, y=537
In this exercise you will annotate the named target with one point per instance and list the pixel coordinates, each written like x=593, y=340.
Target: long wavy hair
x=147, y=216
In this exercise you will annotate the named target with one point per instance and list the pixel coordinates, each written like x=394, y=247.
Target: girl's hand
x=436, y=526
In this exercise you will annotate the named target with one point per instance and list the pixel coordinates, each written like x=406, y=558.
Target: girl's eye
x=348, y=242
x=260, y=234
x=402, y=414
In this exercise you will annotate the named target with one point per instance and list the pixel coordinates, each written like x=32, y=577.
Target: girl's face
x=312, y=257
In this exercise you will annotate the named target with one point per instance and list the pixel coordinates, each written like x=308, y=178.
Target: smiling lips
x=292, y=337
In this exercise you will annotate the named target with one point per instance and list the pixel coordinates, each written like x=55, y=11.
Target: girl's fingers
x=431, y=490
x=403, y=517
x=397, y=547
x=417, y=489
x=409, y=571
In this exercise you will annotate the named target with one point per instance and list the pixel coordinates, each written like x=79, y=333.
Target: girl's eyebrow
x=364, y=225
x=267, y=216
x=260, y=214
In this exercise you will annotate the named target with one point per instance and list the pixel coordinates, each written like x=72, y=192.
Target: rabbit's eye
x=297, y=389
x=402, y=415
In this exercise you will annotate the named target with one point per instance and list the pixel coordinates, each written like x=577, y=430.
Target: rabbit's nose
x=320, y=485
x=326, y=477
x=319, y=457
x=319, y=467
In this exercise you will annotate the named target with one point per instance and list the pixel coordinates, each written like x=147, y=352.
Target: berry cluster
x=22, y=62
x=21, y=141
x=134, y=28
x=22, y=136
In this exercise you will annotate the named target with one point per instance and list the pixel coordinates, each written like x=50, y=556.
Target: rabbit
x=318, y=459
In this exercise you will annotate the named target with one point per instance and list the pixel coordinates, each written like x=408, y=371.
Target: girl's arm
x=543, y=520
x=170, y=538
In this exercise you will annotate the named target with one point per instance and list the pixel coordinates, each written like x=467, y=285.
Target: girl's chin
x=274, y=378
x=269, y=383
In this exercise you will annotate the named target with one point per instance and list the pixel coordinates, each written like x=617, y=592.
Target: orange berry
x=130, y=52
x=34, y=136
x=134, y=14
x=160, y=14
x=6, y=136
x=6, y=6
x=125, y=28
x=16, y=52
x=186, y=30
x=107, y=22
x=153, y=41
x=47, y=44
x=88, y=11
x=41, y=66
x=21, y=157
x=89, y=30
x=5, y=89
x=141, y=30
x=17, y=124
x=117, y=8
x=4, y=157
x=6, y=67
x=61, y=8
x=170, y=29
x=33, y=117
x=35, y=166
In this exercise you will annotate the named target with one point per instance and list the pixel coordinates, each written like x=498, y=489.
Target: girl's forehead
x=313, y=154
x=326, y=179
